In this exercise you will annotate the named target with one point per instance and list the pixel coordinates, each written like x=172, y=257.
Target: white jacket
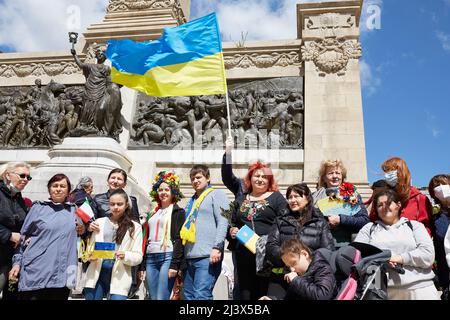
x=121, y=272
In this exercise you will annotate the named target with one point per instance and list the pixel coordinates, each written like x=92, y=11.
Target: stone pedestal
x=334, y=127
x=88, y=156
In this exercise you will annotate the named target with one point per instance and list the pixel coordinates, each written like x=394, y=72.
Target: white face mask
x=13, y=188
x=442, y=192
x=391, y=178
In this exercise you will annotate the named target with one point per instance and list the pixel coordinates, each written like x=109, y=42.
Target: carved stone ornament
x=264, y=114
x=331, y=55
x=127, y=5
x=330, y=20
x=262, y=60
x=37, y=69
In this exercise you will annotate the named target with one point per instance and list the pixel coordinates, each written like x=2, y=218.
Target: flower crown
x=171, y=179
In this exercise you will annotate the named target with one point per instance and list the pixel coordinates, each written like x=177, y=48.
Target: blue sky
x=405, y=68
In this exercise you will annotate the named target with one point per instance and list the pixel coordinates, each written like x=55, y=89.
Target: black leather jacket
x=12, y=215
x=102, y=201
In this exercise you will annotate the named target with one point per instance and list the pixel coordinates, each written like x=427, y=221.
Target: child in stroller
x=360, y=271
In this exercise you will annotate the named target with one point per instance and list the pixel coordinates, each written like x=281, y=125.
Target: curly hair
x=172, y=180
x=258, y=165
x=327, y=164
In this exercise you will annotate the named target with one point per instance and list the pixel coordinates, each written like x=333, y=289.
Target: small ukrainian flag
x=248, y=238
x=186, y=61
x=104, y=250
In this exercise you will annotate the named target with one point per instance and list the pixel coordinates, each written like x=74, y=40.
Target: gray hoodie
x=415, y=247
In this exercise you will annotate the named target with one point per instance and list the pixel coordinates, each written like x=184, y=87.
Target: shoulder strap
x=409, y=224
x=372, y=228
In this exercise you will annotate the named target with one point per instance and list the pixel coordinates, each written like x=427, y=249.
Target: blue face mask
x=391, y=178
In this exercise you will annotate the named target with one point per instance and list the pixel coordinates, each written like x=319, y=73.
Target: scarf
x=187, y=232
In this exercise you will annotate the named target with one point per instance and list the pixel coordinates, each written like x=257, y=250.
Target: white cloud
x=42, y=25
x=431, y=124
x=444, y=38
x=261, y=19
x=369, y=80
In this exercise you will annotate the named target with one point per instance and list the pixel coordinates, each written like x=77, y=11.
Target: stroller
x=360, y=270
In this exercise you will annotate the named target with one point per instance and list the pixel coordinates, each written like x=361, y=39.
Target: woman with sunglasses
x=14, y=177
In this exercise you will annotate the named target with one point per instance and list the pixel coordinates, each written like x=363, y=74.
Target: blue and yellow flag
x=186, y=61
x=248, y=238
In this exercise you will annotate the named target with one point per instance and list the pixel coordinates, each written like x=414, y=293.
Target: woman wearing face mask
x=339, y=202
x=439, y=189
x=47, y=256
x=415, y=205
x=410, y=245
x=301, y=221
x=14, y=177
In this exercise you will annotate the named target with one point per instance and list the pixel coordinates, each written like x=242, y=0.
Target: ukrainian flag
x=186, y=61
x=104, y=250
x=248, y=238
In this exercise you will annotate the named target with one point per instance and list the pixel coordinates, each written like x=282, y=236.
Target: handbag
x=177, y=287
x=263, y=266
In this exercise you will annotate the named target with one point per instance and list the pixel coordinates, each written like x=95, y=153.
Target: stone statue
x=102, y=103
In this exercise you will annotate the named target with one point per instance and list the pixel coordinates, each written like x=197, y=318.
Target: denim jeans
x=200, y=278
x=158, y=281
x=103, y=284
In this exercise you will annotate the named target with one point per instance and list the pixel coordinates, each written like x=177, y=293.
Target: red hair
x=258, y=165
x=403, y=186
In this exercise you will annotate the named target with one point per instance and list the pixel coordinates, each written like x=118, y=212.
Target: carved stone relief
x=262, y=60
x=37, y=69
x=127, y=5
x=264, y=114
x=331, y=55
x=330, y=20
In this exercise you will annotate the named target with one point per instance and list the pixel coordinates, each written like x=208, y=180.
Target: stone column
x=334, y=127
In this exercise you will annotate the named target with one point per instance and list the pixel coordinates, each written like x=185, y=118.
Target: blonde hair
x=325, y=165
x=10, y=166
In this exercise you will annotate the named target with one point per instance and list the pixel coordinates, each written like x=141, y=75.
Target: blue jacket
x=50, y=259
x=441, y=224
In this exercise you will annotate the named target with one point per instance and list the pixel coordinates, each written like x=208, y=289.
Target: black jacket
x=102, y=201
x=12, y=215
x=178, y=218
x=315, y=233
x=79, y=196
x=318, y=282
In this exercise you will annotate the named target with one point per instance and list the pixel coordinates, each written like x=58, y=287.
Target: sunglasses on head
x=23, y=176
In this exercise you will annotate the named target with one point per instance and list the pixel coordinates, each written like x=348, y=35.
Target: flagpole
x=228, y=113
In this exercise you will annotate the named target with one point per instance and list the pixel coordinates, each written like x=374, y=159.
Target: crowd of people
x=40, y=255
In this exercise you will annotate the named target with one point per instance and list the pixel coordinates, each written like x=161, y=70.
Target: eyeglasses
x=23, y=176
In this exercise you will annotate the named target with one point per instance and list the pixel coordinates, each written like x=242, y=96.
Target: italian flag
x=85, y=212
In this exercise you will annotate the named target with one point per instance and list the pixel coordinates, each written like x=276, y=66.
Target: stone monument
x=294, y=103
